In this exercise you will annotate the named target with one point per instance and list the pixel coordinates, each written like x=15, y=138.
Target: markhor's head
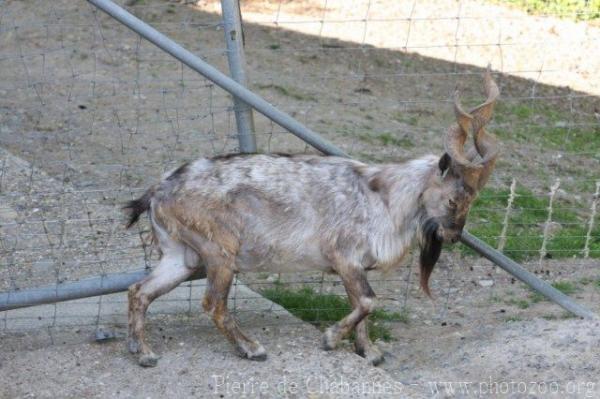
x=462, y=174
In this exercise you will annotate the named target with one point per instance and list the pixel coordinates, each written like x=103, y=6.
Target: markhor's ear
x=444, y=162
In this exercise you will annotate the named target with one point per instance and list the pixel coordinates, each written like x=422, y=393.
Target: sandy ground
x=90, y=116
x=64, y=361
x=476, y=344
x=449, y=30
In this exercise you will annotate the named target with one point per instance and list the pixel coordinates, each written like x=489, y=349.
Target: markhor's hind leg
x=170, y=272
x=215, y=304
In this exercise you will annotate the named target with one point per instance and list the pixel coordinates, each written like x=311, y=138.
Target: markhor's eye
x=451, y=204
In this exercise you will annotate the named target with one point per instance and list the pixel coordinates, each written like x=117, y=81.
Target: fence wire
x=92, y=115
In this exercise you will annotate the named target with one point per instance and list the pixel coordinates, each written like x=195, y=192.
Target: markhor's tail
x=136, y=207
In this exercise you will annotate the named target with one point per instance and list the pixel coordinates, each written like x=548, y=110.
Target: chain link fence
x=92, y=115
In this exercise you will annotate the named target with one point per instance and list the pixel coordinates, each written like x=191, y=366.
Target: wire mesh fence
x=92, y=115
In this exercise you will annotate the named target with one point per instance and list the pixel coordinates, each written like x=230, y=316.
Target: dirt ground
x=478, y=343
x=196, y=361
x=90, y=116
x=483, y=327
x=449, y=30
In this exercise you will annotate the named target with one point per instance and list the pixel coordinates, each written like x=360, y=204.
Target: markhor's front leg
x=363, y=345
x=362, y=298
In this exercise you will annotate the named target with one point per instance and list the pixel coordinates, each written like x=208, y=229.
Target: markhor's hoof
x=372, y=354
x=133, y=346
x=376, y=360
x=258, y=353
x=327, y=340
x=259, y=357
x=149, y=360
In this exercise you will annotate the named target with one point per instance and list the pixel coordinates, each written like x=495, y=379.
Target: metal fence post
x=232, y=26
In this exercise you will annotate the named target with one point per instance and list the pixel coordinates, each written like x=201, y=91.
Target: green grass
x=536, y=297
x=495, y=298
x=547, y=126
x=289, y=92
x=404, y=117
x=308, y=305
x=526, y=225
x=386, y=139
x=520, y=303
x=566, y=287
x=551, y=126
x=381, y=63
x=384, y=315
x=562, y=316
x=323, y=310
x=511, y=319
x=586, y=281
x=572, y=9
